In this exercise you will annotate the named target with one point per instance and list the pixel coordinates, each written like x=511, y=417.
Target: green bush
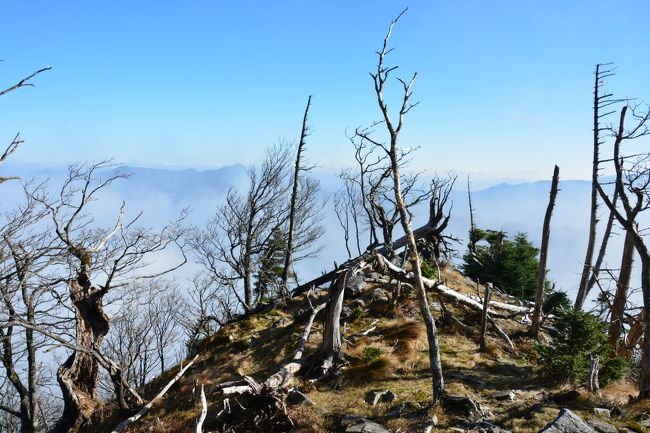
x=511, y=265
x=577, y=336
x=371, y=353
x=428, y=271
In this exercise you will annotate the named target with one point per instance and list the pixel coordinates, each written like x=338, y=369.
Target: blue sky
x=504, y=86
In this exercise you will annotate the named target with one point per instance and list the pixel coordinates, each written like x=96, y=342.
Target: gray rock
x=374, y=397
x=379, y=295
x=567, y=422
x=359, y=424
x=601, y=426
x=351, y=419
x=505, y=395
x=431, y=423
x=646, y=423
x=405, y=410
x=356, y=284
x=602, y=411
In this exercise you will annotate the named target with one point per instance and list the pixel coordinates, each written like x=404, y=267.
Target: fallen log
x=124, y=424
x=404, y=275
x=268, y=404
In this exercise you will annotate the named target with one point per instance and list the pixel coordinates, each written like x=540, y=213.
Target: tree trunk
x=644, y=376
x=79, y=374
x=331, y=347
x=543, y=253
x=603, y=247
x=294, y=198
x=438, y=384
x=593, y=215
x=620, y=297
x=484, y=318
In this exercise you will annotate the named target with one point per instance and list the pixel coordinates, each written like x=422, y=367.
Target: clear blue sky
x=505, y=86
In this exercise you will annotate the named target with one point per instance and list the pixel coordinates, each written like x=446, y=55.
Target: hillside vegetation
x=385, y=349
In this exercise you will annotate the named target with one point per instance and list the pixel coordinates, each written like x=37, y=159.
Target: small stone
x=351, y=419
x=362, y=425
x=602, y=411
x=431, y=423
x=567, y=422
x=646, y=422
x=601, y=426
x=505, y=395
x=374, y=397
x=355, y=285
x=379, y=295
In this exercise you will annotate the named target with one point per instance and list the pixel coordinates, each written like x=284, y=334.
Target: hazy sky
x=504, y=86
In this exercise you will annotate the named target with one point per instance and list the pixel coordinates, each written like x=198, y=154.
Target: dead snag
x=543, y=253
x=124, y=424
x=265, y=403
x=484, y=317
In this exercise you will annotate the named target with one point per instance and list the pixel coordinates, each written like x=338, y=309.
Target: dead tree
x=98, y=262
x=484, y=318
x=543, y=254
x=596, y=268
x=632, y=183
x=16, y=142
x=601, y=101
x=392, y=150
x=617, y=315
x=298, y=167
x=472, y=226
x=235, y=241
x=25, y=253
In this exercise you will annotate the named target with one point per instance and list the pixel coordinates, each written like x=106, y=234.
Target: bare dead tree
x=298, y=167
x=392, y=150
x=17, y=141
x=209, y=306
x=601, y=102
x=25, y=254
x=602, y=251
x=632, y=183
x=230, y=245
x=96, y=262
x=472, y=226
x=543, y=254
x=249, y=230
x=617, y=310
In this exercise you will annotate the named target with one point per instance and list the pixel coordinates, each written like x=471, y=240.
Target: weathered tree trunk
x=594, y=367
x=294, y=198
x=620, y=297
x=472, y=226
x=484, y=318
x=79, y=374
x=593, y=215
x=331, y=347
x=644, y=376
x=603, y=247
x=543, y=253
